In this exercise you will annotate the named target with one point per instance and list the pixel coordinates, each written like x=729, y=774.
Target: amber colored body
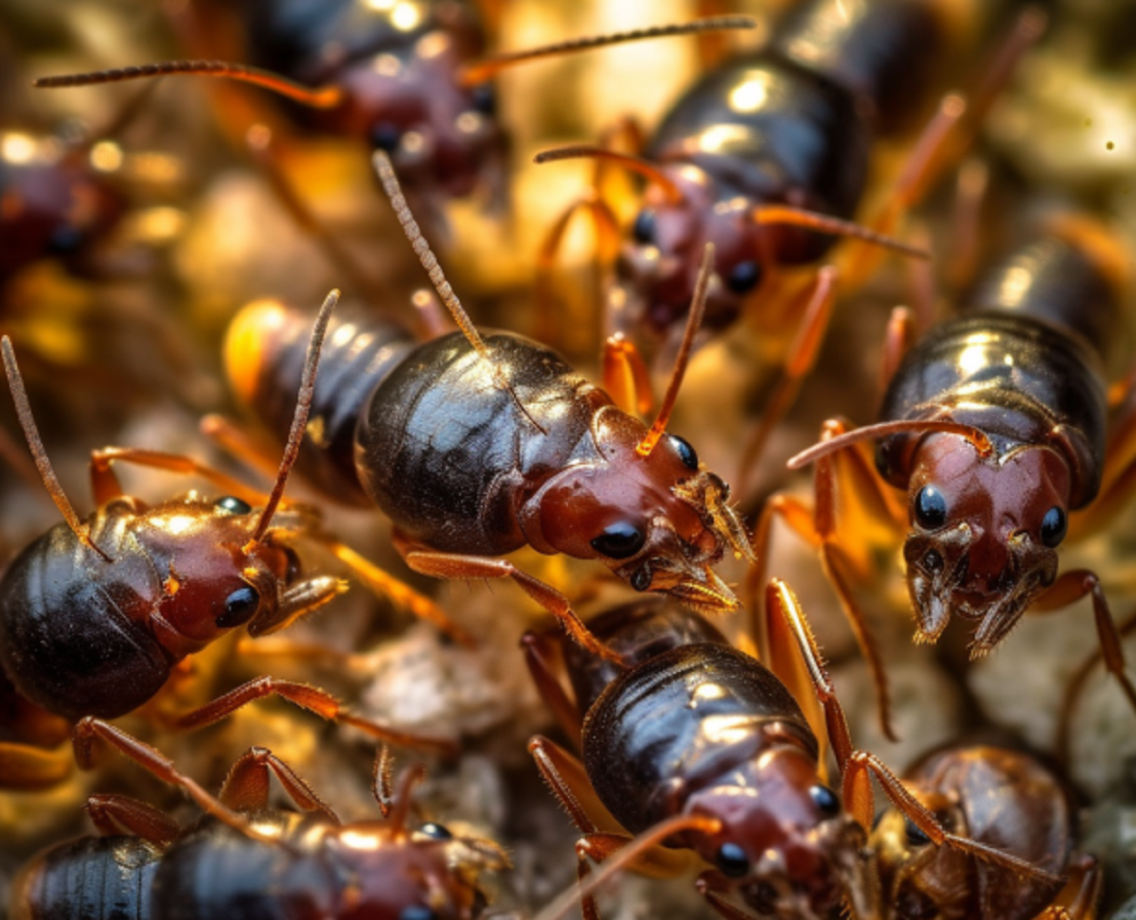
x=994, y=795
x=357, y=871
x=398, y=77
x=791, y=124
x=694, y=726
x=464, y=465
x=1023, y=366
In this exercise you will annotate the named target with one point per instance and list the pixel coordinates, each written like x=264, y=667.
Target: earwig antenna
x=798, y=217
x=480, y=71
x=39, y=454
x=882, y=430
x=389, y=181
x=693, y=321
x=627, y=161
x=382, y=780
x=300, y=419
x=323, y=97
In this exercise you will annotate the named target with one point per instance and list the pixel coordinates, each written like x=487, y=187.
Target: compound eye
x=233, y=505
x=930, y=508
x=1053, y=527
x=437, y=831
x=386, y=136
x=685, y=452
x=65, y=240
x=484, y=98
x=645, y=227
x=825, y=799
x=239, y=608
x=915, y=835
x=732, y=860
x=744, y=277
x=619, y=541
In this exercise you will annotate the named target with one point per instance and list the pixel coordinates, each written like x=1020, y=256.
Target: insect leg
x=541, y=656
x=30, y=768
x=122, y=814
x=246, y=786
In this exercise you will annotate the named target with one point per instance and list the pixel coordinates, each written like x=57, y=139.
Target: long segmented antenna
x=393, y=190
x=320, y=97
x=480, y=71
x=884, y=429
x=626, y=160
x=39, y=454
x=825, y=223
x=299, y=419
x=693, y=321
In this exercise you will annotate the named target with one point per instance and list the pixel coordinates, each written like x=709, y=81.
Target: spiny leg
x=122, y=814
x=246, y=786
x=542, y=656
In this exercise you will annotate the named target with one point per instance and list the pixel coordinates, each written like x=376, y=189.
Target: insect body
x=1003, y=798
x=476, y=447
x=96, y=615
x=764, y=151
x=297, y=865
x=694, y=744
x=995, y=426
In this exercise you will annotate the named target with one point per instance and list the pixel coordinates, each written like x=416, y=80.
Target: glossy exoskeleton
x=998, y=796
x=995, y=426
x=764, y=151
x=402, y=77
x=691, y=743
x=97, y=615
x=282, y=864
x=476, y=447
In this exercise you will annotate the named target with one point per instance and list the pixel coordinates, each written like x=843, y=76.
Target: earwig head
x=1031, y=820
x=54, y=205
x=439, y=134
x=789, y=850
x=658, y=264
x=428, y=874
x=984, y=534
x=659, y=522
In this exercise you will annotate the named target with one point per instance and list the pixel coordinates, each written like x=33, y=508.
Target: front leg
x=437, y=564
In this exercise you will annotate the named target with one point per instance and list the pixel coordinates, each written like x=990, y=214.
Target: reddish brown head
x=785, y=845
x=658, y=264
x=658, y=521
x=984, y=534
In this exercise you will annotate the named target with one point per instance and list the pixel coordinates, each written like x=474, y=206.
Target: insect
x=767, y=156
x=477, y=446
x=1003, y=798
x=400, y=77
x=994, y=424
x=695, y=745
x=298, y=863
x=97, y=615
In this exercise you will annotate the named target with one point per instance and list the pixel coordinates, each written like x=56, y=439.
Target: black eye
x=641, y=580
x=685, y=452
x=825, y=799
x=1053, y=527
x=65, y=240
x=484, y=98
x=930, y=508
x=644, y=227
x=239, y=608
x=437, y=831
x=386, y=136
x=233, y=505
x=744, y=277
x=732, y=860
x=915, y=835
x=619, y=541
x=417, y=912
